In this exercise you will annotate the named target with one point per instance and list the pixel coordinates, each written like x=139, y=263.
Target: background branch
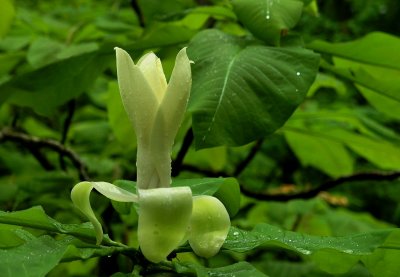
x=177, y=163
x=138, y=11
x=31, y=141
x=364, y=176
x=66, y=126
x=250, y=156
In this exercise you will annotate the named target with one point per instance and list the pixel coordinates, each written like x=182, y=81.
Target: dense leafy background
x=299, y=104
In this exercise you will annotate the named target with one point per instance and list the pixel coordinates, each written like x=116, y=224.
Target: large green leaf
x=327, y=155
x=332, y=254
x=384, y=262
x=34, y=258
x=38, y=255
x=241, y=85
x=375, y=48
x=46, y=88
x=382, y=153
x=269, y=18
x=371, y=62
x=9, y=60
x=36, y=218
x=7, y=13
x=240, y=269
x=377, y=84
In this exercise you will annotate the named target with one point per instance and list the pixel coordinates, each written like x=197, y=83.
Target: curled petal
x=164, y=215
x=209, y=226
x=173, y=106
x=80, y=196
x=169, y=117
x=151, y=67
x=138, y=97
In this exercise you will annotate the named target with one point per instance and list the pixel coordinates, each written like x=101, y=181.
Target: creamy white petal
x=115, y=193
x=141, y=104
x=170, y=115
x=209, y=226
x=80, y=196
x=164, y=217
x=138, y=98
x=151, y=67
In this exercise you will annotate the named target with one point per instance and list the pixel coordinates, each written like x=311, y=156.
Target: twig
x=177, y=163
x=138, y=11
x=365, y=176
x=66, y=126
x=41, y=158
x=205, y=172
x=29, y=141
x=250, y=156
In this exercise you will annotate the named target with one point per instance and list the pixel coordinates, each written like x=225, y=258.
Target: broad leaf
x=332, y=254
x=38, y=255
x=268, y=19
x=240, y=269
x=372, y=62
x=377, y=84
x=240, y=85
x=34, y=258
x=8, y=61
x=383, y=154
x=375, y=48
x=7, y=13
x=325, y=154
x=36, y=218
x=46, y=88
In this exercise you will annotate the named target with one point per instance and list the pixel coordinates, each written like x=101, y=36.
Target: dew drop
x=235, y=233
x=298, y=73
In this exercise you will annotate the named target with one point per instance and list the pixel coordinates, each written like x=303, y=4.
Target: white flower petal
x=169, y=117
x=151, y=67
x=115, y=193
x=137, y=95
x=80, y=196
x=209, y=225
x=164, y=215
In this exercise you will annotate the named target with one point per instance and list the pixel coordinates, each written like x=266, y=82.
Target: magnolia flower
x=168, y=216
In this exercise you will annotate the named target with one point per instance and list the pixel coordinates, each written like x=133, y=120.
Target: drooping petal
x=170, y=115
x=80, y=196
x=209, y=225
x=115, y=193
x=138, y=97
x=164, y=216
x=151, y=67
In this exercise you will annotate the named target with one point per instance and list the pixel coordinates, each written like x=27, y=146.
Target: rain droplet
x=298, y=73
x=348, y=251
x=235, y=233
